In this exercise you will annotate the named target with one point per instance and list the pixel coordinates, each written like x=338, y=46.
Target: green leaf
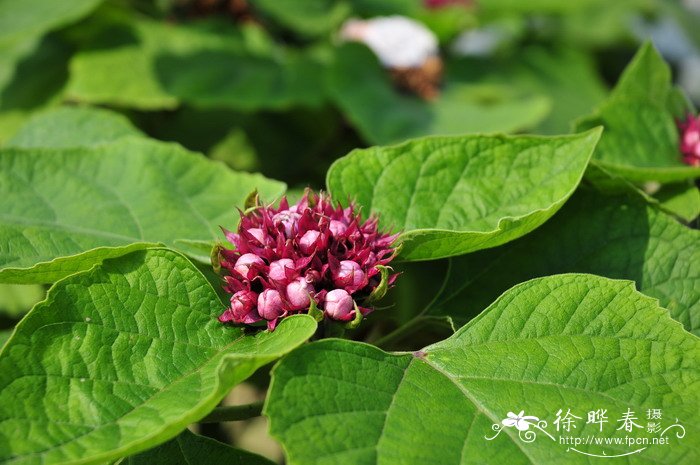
x=240, y=80
x=306, y=17
x=640, y=142
x=364, y=92
x=35, y=17
x=64, y=210
x=121, y=71
x=454, y=195
x=155, y=65
x=189, y=448
x=681, y=199
x=614, y=236
x=17, y=299
x=64, y=127
x=578, y=342
x=123, y=357
x=567, y=76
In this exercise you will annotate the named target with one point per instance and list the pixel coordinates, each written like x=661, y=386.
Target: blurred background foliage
x=268, y=86
x=223, y=76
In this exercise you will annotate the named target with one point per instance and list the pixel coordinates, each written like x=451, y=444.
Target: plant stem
x=419, y=320
x=400, y=332
x=234, y=413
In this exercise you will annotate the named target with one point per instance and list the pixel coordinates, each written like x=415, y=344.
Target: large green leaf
x=578, y=342
x=613, y=236
x=35, y=17
x=152, y=65
x=640, y=142
x=121, y=358
x=189, y=448
x=64, y=210
x=454, y=195
x=363, y=90
x=63, y=127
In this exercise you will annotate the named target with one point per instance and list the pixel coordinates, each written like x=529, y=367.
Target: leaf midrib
x=487, y=413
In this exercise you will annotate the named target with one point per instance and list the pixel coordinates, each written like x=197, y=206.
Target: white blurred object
x=692, y=5
x=478, y=42
x=668, y=37
x=689, y=76
x=398, y=42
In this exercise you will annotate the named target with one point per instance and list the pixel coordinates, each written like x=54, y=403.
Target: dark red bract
x=286, y=260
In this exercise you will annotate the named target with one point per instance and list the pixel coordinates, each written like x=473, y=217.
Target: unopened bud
x=339, y=305
x=349, y=275
x=245, y=262
x=298, y=293
x=309, y=241
x=278, y=272
x=270, y=304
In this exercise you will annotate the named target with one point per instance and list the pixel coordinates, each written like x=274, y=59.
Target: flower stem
x=234, y=413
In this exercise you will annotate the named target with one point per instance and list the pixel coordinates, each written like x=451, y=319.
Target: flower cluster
x=310, y=256
x=690, y=140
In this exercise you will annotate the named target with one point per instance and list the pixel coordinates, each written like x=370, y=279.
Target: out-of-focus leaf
x=239, y=80
x=148, y=65
x=306, y=17
x=35, y=17
x=17, y=299
x=32, y=76
x=566, y=76
x=535, y=6
x=363, y=90
x=64, y=127
x=4, y=336
x=682, y=199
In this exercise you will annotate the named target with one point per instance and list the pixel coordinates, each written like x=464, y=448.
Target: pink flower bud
x=309, y=241
x=349, y=275
x=270, y=304
x=337, y=228
x=242, y=308
x=244, y=263
x=298, y=293
x=339, y=305
x=288, y=219
x=690, y=140
x=278, y=272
